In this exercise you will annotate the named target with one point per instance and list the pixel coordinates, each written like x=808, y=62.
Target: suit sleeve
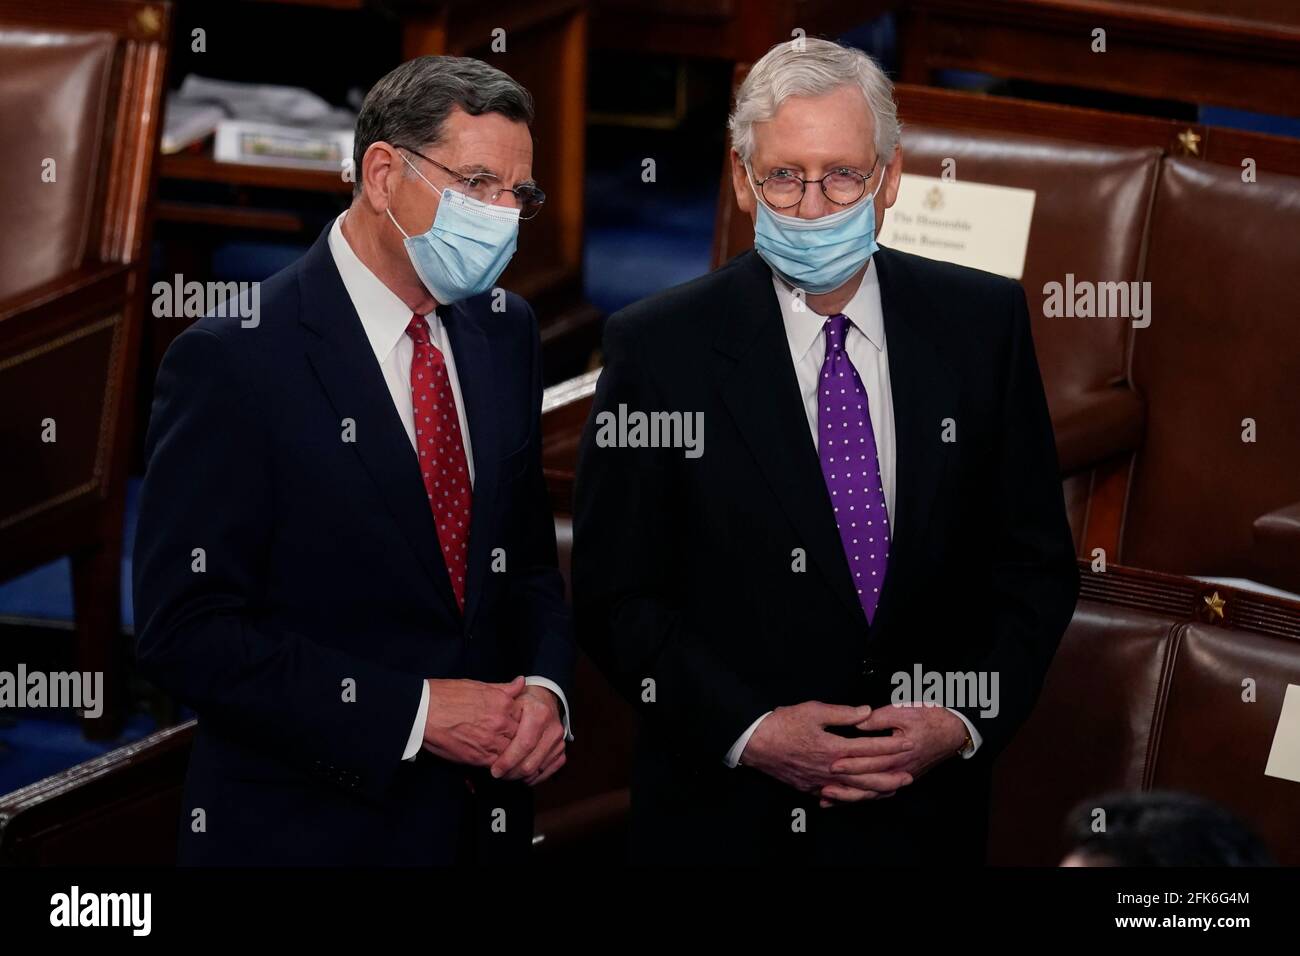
x=538, y=607
x=627, y=599
x=1033, y=577
x=205, y=523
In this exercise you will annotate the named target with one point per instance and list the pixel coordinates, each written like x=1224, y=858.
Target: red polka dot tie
x=442, y=453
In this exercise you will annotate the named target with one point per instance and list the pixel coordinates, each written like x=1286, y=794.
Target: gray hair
x=410, y=104
x=808, y=66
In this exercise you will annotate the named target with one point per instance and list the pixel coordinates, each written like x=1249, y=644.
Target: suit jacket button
x=868, y=667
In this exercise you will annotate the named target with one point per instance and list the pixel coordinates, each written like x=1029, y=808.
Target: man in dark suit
x=875, y=497
x=345, y=560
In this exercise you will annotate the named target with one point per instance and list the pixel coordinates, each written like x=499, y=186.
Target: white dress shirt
x=384, y=317
x=864, y=340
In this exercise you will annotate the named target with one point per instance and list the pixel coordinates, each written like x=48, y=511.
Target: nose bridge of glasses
x=816, y=202
x=839, y=187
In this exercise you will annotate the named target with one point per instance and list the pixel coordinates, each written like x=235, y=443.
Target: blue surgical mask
x=466, y=249
x=816, y=255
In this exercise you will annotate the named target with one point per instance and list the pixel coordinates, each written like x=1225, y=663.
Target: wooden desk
x=737, y=30
x=1236, y=53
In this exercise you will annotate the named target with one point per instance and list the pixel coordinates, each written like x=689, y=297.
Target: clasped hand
x=514, y=729
x=793, y=745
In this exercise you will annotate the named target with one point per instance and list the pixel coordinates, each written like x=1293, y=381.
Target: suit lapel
x=762, y=395
x=345, y=364
x=924, y=393
x=473, y=355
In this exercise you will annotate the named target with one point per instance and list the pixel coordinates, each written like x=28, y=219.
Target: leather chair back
x=1216, y=734
x=1089, y=220
x=1146, y=694
x=81, y=86
x=1223, y=346
x=1090, y=732
x=54, y=93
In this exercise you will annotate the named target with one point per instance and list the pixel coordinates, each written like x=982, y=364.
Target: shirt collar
x=803, y=327
x=383, y=315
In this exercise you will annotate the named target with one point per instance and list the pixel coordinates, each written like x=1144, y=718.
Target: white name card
x=971, y=224
x=1284, y=757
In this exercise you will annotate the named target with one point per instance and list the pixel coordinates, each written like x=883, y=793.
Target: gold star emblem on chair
x=1190, y=140
x=1214, y=606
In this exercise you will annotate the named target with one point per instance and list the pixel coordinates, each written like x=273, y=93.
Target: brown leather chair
x=1090, y=212
x=1214, y=738
x=1223, y=346
x=1090, y=733
x=80, y=96
x=1277, y=547
x=1146, y=693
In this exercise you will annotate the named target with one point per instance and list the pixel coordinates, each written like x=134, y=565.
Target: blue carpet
x=624, y=265
x=644, y=237
x=45, y=594
x=35, y=747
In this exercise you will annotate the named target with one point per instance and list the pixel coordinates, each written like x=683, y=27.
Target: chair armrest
x=1094, y=426
x=52, y=308
x=1277, y=547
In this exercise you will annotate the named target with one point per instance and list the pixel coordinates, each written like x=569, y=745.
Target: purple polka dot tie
x=846, y=446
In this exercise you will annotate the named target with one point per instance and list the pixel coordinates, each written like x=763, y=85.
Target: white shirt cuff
x=417, y=732
x=732, y=759
x=975, y=737
x=554, y=688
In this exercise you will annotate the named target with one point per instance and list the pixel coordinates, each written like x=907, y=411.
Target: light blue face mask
x=466, y=249
x=816, y=255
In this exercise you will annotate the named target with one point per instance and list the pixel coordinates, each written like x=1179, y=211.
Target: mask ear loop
x=418, y=173
x=404, y=233
x=876, y=191
x=389, y=210
x=749, y=178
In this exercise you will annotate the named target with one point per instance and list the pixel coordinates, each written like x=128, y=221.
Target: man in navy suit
x=346, y=559
x=878, y=498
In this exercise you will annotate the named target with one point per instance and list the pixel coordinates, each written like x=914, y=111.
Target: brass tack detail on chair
x=149, y=21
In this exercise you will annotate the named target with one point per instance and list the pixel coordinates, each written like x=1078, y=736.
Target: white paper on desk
x=971, y=224
x=267, y=103
x=185, y=123
x=1284, y=757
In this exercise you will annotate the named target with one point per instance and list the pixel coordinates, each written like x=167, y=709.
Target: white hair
x=808, y=66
